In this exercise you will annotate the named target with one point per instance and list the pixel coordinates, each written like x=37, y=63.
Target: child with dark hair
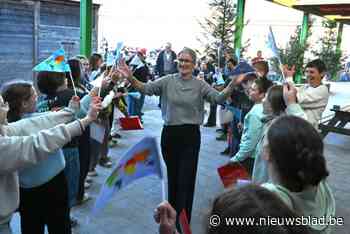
x=32, y=145
x=57, y=96
x=239, y=105
x=95, y=63
x=253, y=125
x=312, y=97
x=40, y=182
x=84, y=140
x=262, y=68
x=298, y=171
x=248, y=202
x=280, y=100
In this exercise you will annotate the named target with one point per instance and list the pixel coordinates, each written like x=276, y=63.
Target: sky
x=152, y=23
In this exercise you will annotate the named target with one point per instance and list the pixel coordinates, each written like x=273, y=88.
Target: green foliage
x=327, y=49
x=293, y=54
x=219, y=27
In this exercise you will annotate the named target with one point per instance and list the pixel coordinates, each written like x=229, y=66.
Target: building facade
x=30, y=30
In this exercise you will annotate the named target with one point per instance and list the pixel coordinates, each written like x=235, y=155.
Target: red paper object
x=130, y=123
x=230, y=173
x=185, y=227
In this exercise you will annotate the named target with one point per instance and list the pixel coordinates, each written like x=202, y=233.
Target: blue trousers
x=135, y=105
x=72, y=173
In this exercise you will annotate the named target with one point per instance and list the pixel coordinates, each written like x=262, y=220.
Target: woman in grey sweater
x=25, y=142
x=182, y=106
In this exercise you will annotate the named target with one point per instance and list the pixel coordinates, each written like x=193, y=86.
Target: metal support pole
x=239, y=28
x=86, y=27
x=302, y=40
x=339, y=37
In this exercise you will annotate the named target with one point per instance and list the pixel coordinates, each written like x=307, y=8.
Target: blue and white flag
x=118, y=51
x=271, y=44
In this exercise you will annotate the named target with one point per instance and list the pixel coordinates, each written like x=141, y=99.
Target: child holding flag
x=253, y=125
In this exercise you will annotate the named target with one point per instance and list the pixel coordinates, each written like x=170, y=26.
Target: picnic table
x=336, y=122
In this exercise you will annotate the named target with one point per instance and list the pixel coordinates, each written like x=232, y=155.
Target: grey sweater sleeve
x=156, y=87
x=22, y=151
x=212, y=95
x=28, y=126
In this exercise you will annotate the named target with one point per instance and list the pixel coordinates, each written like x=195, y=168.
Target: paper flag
x=118, y=51
x=230, y=173
x=141, y=160
x=110, y=60
x=131, y=123
x=97, y=132
x=183, y=221
x=271, y=44
x=55, y=63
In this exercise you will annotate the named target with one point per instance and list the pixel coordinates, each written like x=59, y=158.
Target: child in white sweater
x=25, y=142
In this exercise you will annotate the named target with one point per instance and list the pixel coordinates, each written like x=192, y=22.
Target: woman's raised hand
x=124, y=70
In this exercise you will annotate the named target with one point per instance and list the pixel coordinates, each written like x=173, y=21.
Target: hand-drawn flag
x=142, y=160
x=118, y=51
x=55, y=63
x=110, y=59
x=271, y=44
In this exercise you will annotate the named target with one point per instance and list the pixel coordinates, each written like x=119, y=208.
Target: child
x=280, y=100
x=43, y=187
x=54, y=86
x=246, y=203
x=252, y=128
x=298, y=171
x=26, y=142
x=312, y=97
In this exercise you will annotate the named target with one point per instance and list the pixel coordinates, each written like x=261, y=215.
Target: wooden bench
x=336, y=122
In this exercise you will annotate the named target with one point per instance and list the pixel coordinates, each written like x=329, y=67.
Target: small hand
x=74, y=104
x=289, y=94
x=106, y=81
x=288, y=72
x=95, y=108
x=165, y=215
x=240, y=126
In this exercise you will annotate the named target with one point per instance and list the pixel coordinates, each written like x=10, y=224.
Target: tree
x=219, y=27
x=293, y=54
x=327, y=49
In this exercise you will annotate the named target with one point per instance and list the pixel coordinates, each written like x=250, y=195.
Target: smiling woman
x=182, y=106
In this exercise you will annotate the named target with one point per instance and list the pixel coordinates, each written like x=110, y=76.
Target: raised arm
x=215, y=97
x=124, y=70
x=50, y=119
x=22, y=151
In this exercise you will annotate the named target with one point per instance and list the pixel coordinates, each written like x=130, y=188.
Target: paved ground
x=131, y=210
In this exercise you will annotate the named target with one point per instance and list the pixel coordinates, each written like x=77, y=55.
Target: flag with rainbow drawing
x=142, y=160
x=57, y=62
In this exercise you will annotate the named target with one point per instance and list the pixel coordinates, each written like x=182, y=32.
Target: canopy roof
x=338, y=10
